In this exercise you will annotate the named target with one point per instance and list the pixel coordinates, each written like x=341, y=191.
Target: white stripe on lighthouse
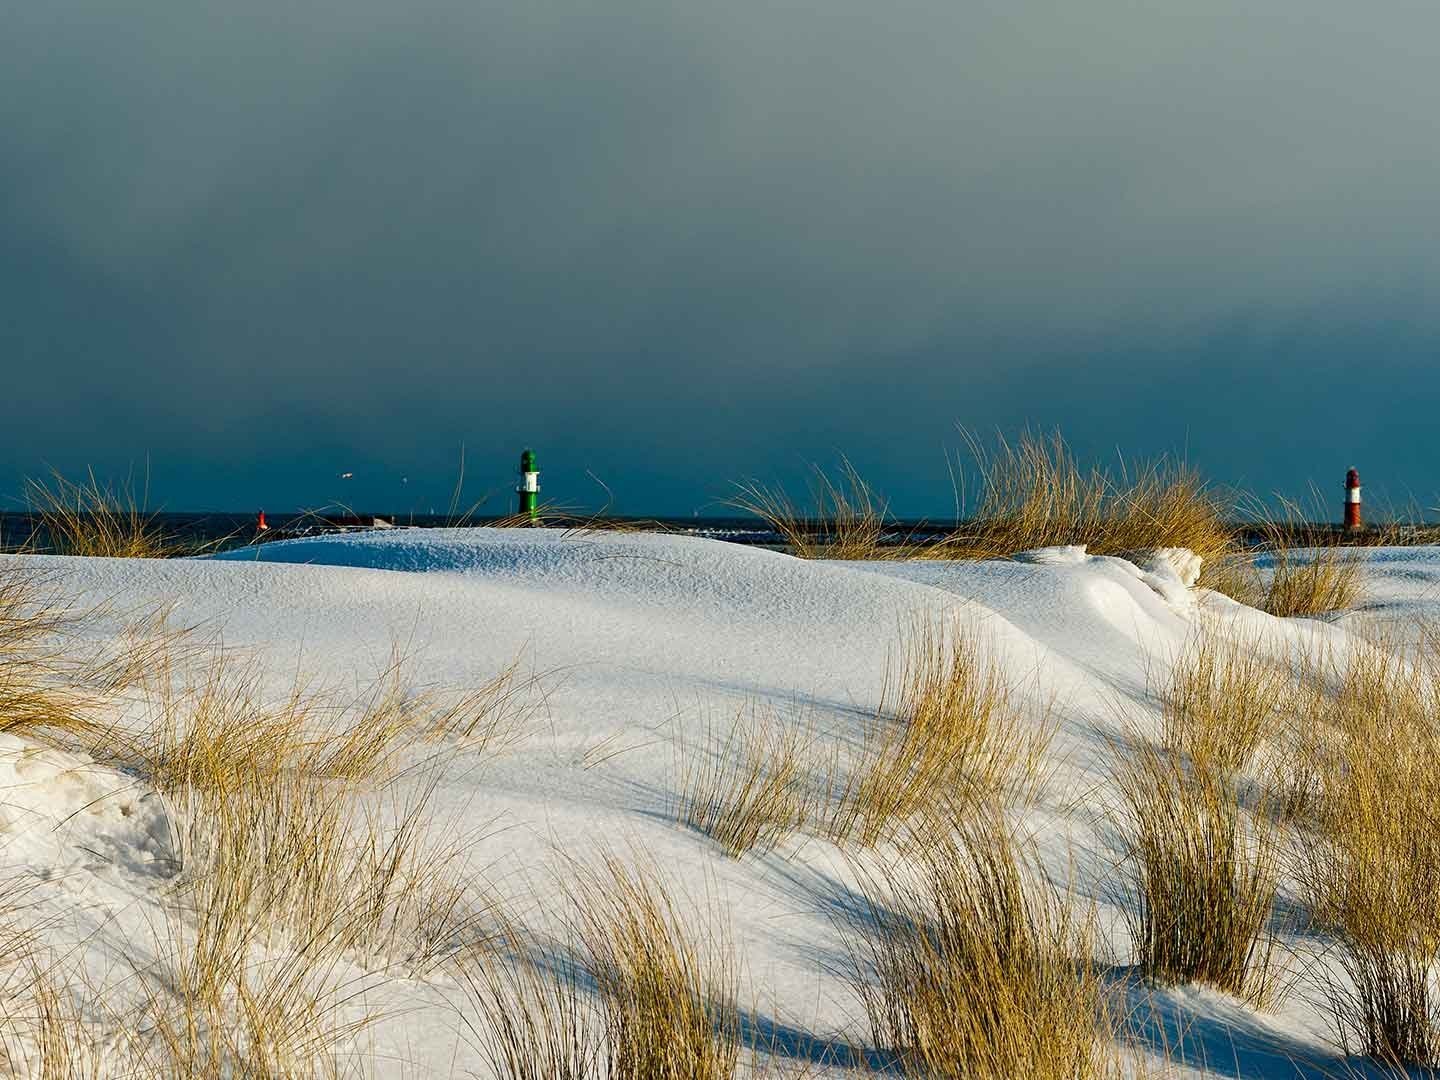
x=531, y=482
x=1352, y=495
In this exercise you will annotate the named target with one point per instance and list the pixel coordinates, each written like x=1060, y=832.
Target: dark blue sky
x=679, y=245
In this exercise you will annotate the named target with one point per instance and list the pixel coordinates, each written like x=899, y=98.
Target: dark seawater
x=199, y=533
x=217, y=531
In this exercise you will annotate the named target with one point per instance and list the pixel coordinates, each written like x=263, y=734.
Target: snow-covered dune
x=637, y=641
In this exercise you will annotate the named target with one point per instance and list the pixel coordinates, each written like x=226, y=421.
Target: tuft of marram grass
x=528, y=1009
x=977, y=968
x=211, y=726
x=1312, y=569
x=40, y=685
x=749, y=789
x=1034, y=493
x=1370, y=865
x=1221, y=700
x=1205, y=873
x=948, y=727
x=666, y=983
x=90, y=518
x=1205, y=869
x=213, y=1010
x=303, y=852
x=1313, y=579
x=846, y=519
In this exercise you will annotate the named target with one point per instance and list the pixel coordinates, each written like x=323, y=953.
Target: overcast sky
x=678, y=245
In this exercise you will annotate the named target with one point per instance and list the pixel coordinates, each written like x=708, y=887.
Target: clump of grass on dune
x=304, y=837
x=752, y=788
x=211, y=726
x=304, y=858
x=91, y=518
x=846, y=519
x=42, y=1030
x=1292, y=566
x=1312, y=576
x=533, y=1016
x=359, y=872
x=213, y=1009
x=487, y=718
x=666, y=983
x=40, y=691
x=1206, y=870
x=977, y=968
x=254, y=786
x=949, y=727
x=642, y=990
x=1205, y=874
x=1221, y=700
x=1371, y=859
x=1034, y=493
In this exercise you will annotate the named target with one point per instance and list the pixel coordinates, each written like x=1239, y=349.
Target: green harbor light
x=529, y=487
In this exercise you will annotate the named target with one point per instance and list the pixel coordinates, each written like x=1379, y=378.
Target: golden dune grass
x=1033, y=493
x=528, y=1010
x=750, y=788
x=326, y=793
x=1370, y=864
x=1221, y=700
x=666, y=981
x=853, y=515
x=214, y=1009
x=976, y=968
x=1205, y=874
x=1311, y=578
x=643, y=988
x=949, y=728
x=1205, y=867
x=1312, y=569
x=33, y=695
x=90, y=518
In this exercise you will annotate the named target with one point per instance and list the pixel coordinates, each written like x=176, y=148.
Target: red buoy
x=1352, y=500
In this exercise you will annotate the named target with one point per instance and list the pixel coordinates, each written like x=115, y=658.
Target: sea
x=210, y=531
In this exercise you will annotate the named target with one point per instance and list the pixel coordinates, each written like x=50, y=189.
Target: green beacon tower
x=529, y=487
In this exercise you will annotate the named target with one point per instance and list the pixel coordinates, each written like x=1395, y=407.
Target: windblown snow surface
x=639, y=641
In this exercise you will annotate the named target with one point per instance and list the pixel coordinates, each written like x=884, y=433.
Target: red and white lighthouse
x=1352, y=500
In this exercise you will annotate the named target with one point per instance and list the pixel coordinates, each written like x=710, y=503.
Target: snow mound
x=1061, y=555
x=1177, y=562
x=521, y=551
x=61, y=811
x=643, y=644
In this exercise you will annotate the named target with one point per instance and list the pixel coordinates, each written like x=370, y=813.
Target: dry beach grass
x=1032, y=493
x=750, y=788
x=1205, y=874
x=1205, y=860
x=976, y=967
x=90, y=518
x=949, y=729
x=1370, y=864
x=853, y=515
